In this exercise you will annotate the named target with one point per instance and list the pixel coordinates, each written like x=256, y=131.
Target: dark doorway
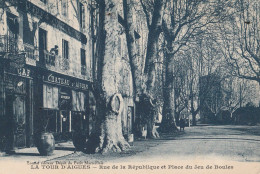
x=20, y=120
x=16, y=121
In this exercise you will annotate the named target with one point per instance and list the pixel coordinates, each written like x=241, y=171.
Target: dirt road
x=228, y=142
x=236, y=143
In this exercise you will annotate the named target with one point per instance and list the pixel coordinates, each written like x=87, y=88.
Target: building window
x=44, y=1
x=65, y=49
x=83, y=61
x=64, y=8
x=82, y=15
x=43, y=45
x=9, y=44
x=83, y=57
x=13, y=26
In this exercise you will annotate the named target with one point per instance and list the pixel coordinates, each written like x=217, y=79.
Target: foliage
x=247, y=115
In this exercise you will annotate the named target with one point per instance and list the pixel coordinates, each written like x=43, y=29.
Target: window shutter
x=83, y=17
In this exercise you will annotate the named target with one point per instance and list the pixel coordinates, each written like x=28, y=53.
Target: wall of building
x=31, y=16
x=29, y=26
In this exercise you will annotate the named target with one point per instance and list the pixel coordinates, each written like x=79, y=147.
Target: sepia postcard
x=129, y=86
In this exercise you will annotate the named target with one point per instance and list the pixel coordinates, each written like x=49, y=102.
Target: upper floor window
x=44, y=1
x=83, y=62
x=65, y=49
x=64, y=7
x=83, y=57
x=13, y=26
x=82, y=15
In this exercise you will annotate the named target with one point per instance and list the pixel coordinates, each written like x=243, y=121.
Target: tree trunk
x=151, y=130
x=147, y=113
x=193, y=112
x=168, y=122
x=177, y=118
x=132, y=53
x=194, y=122
x=129, y=30
x=151, y=55
x=108, y=133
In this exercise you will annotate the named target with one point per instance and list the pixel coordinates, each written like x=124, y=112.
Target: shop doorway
x=64, y=118
x=16, y=120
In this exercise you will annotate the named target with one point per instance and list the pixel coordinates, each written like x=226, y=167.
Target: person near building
x=55, y=50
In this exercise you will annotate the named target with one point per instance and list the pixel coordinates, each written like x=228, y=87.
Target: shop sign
x=25, y=72
x=20, y=71
x=65, y=100
x=80, y=85
x=65, y=97
x=57, y=80
x=71, y=82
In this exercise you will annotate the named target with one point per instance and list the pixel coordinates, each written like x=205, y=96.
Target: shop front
x=63, y=102
x=17, y=107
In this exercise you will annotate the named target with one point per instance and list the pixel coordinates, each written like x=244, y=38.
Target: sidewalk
x=32, y=154
x=66, y=150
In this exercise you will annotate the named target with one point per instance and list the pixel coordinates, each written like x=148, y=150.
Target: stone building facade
x=46, y=58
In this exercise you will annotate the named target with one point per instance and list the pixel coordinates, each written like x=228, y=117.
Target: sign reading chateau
x=64, y=81
x=57, y=80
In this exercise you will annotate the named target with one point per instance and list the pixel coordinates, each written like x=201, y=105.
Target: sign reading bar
x=22, y=72
x=25, y=72
x=65, y=81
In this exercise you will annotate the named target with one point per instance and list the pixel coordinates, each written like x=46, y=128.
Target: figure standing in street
x=182, y=124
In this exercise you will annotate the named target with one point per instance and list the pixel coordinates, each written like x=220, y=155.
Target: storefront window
x=50, y=97
x=78, y=101
x=79, y=117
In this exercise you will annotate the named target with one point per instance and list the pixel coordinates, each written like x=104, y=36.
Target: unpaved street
x=228, y=142
x=223, y=148
x=238, y=143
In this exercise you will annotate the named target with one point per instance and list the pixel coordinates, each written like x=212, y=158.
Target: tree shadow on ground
x=171, y=136
x=250, y=130
x=65, y=148
x=220, y=138
x=25, y=154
